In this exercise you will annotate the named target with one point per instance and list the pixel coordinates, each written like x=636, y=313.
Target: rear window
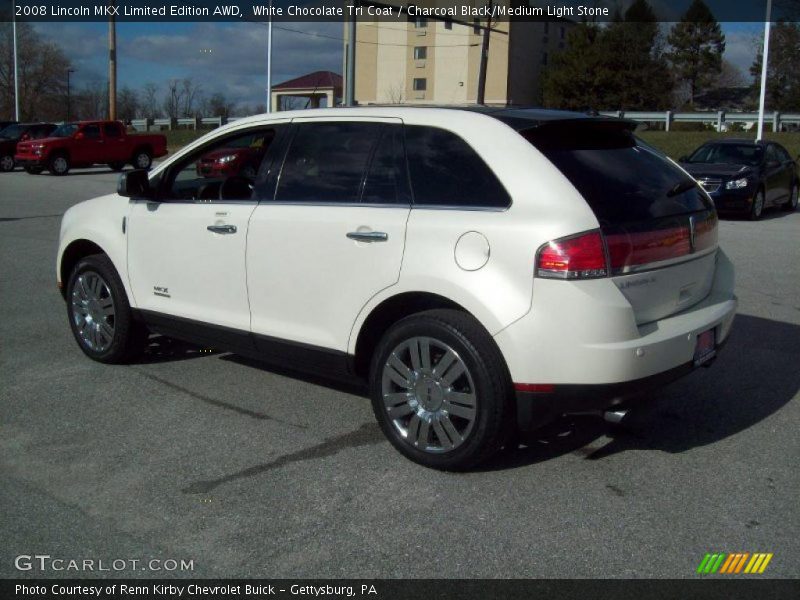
x=446, y=171
x=622, y=181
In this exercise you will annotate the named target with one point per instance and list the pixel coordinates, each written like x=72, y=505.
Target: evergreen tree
x=697, y=44
x=783, y=78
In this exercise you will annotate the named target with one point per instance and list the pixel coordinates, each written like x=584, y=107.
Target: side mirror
x=135, y=184
x=79, y=135
x=683, y=158
x=25, y=137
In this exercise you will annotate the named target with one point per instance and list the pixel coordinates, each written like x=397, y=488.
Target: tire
x=58, y=164
x=429, y=423
x=757, y=209
x=94, y=288
x=33, y=170
x=116, y=166
x=248, y=172
x=142, y=159
x=791, y=205
x=6, y=163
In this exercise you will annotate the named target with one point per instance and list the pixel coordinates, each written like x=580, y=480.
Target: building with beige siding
x=431, y=61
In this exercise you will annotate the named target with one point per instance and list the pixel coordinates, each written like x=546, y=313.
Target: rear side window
x=622, y=181
x=326, y=162
x=112, y=130
x=446, y=171
x=91, y=131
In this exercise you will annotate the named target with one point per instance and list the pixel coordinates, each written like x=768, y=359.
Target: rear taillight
x=629, y=248
x=577, y=257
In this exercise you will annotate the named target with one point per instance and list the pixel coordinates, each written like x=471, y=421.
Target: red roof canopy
x=317, y=79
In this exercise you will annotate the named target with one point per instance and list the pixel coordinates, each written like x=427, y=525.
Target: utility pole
x=764, y=61
x=112, y=66
x=269, y=60
x=16, y=65
x=350, y=91
x=484, y=58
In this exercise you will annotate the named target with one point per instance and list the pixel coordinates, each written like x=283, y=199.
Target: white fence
x=718, y=119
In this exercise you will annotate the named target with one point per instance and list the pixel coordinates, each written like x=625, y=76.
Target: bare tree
x=395, y=93
x=42, y=75
x=173, y=99
x=218, y=105
x=91, y=101
x=149, y=106
x=127, y=104
x=190, y=94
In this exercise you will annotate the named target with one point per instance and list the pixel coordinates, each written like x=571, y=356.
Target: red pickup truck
x=89, y=143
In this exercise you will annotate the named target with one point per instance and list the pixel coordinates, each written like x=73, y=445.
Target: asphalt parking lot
x=253, y=472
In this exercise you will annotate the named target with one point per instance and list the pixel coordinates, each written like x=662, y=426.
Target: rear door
x=659, y=227
x=115, y=142
x=330, y=234
x=89, y=147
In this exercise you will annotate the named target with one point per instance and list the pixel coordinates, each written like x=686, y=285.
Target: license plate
x=706, y=347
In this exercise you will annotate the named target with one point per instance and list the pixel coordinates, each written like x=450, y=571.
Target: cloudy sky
x=231, y=57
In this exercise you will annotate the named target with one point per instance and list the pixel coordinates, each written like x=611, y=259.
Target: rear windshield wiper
x=681, y=187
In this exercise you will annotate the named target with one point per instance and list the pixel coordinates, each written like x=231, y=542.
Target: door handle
x=368, y=236
x=222, y=228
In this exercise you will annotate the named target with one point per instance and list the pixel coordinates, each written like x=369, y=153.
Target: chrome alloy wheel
x=7, y=163
x=429, y=395
x=93, y=311
x=60, y=164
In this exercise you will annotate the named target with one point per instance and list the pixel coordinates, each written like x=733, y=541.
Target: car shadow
x=754, y=376
x=165, y=349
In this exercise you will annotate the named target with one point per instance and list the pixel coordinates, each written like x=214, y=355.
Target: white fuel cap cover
x=472, y=251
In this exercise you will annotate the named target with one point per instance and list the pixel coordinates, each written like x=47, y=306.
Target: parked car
x=745, y=176
x=89, y=143
x=19, y=132
x=483, y=270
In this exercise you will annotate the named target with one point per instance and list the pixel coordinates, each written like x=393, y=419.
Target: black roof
x=527, y=117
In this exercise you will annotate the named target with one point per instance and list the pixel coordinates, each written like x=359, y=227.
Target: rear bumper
x=582, y=345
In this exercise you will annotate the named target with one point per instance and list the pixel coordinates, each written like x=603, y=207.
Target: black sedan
x=745, y=176
x=19, y=132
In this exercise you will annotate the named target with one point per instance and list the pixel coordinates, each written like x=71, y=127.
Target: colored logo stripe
x=734, y=563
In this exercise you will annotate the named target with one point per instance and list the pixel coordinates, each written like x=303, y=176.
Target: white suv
x=483, y=269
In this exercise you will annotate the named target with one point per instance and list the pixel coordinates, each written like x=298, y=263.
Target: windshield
x=12, y=132
x=738, y=154
x=622, y=180
x=65, y=130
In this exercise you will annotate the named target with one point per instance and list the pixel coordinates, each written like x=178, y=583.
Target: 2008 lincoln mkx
x=482, y=270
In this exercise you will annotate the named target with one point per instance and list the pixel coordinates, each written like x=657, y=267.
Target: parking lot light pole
x=269, y=60
x=764, y=62
x=16, y=65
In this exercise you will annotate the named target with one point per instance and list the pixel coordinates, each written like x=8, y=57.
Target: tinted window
x=738, y=154
x=65, y=130
x=386, y=181
x=225, y=169
x=446, y=171
x=112, y=130
x=91, y=131
x=622, y=181
x=773, y=155
x=326, y=162
x=782, y=153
